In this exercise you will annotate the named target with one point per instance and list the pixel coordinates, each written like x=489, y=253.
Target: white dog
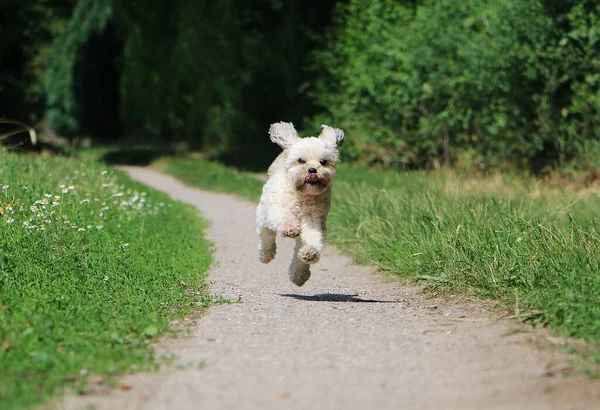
x=296, y=198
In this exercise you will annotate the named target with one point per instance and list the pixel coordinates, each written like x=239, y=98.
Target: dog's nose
x=312, y=170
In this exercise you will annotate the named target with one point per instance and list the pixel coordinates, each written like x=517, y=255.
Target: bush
x=28, y=27
x=72, y=100
x=416, y=84
x=211, y=74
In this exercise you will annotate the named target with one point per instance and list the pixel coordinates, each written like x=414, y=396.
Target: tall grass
x=542, y=249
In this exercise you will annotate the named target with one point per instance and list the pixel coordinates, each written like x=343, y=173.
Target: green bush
x=63, y=85
x=28, y=28
x=211, y=74
x=415, y=84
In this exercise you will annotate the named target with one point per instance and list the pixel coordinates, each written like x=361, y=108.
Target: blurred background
x=478, y=84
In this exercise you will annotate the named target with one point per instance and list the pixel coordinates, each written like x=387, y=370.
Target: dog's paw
x=290, y=229
x=267, y=255
x=309, y=254
x=299, y=272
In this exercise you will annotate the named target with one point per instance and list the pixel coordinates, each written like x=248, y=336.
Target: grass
x=214, y=176
x=92, y=267
x=532, y=246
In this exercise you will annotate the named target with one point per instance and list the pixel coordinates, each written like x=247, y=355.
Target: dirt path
x=349, y=339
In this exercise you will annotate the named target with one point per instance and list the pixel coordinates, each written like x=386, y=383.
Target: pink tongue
x=313, y=177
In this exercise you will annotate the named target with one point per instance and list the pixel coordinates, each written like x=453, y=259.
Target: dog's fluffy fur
x=296, y=198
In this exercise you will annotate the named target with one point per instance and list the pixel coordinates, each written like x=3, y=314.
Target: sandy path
x=349, y=339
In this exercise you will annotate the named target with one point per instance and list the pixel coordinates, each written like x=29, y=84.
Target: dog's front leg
x=313, y=238
x=289, y=227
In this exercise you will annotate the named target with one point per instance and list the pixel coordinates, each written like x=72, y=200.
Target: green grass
x=533, y=247
x=92, y=267
x=215, y=177
x=543, y=251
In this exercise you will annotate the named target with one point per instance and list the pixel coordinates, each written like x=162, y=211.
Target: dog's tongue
x=312, y=178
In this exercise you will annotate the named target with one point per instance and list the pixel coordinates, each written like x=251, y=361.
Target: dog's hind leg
x=267, y=248
x=299, y=271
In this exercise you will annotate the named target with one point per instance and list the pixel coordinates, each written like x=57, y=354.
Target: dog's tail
x=299, y=271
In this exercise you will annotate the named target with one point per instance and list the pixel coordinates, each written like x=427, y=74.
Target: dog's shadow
x=334, y=297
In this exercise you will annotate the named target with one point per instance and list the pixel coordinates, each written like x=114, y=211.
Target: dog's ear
x=333, y=136
x=283, y=134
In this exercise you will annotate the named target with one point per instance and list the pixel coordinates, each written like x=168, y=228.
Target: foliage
x=28, y=28
x=215, y=74
x=417, y=84
x=92, y=266
x=67, y=71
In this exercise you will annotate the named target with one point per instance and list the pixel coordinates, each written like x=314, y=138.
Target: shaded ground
x=349, y=339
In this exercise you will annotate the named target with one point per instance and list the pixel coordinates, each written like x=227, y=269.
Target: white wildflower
x=9, y=221
x=81, y=230
x=99, y=227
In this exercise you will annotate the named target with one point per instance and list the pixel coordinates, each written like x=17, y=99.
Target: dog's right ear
x=283, y=134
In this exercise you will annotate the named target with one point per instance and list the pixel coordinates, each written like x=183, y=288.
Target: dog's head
x=309, y=162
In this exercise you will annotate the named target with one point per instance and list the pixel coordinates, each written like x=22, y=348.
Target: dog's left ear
x=283, y=134
x=333, y=136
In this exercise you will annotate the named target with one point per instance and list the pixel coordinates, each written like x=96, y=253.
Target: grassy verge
x=92, y=267
x=214, y=176
x=534, y=247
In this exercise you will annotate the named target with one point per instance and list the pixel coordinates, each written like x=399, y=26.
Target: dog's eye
x=323, y=162
x=301, y=161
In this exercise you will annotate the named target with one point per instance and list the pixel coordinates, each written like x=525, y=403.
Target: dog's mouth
x=312, y=179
